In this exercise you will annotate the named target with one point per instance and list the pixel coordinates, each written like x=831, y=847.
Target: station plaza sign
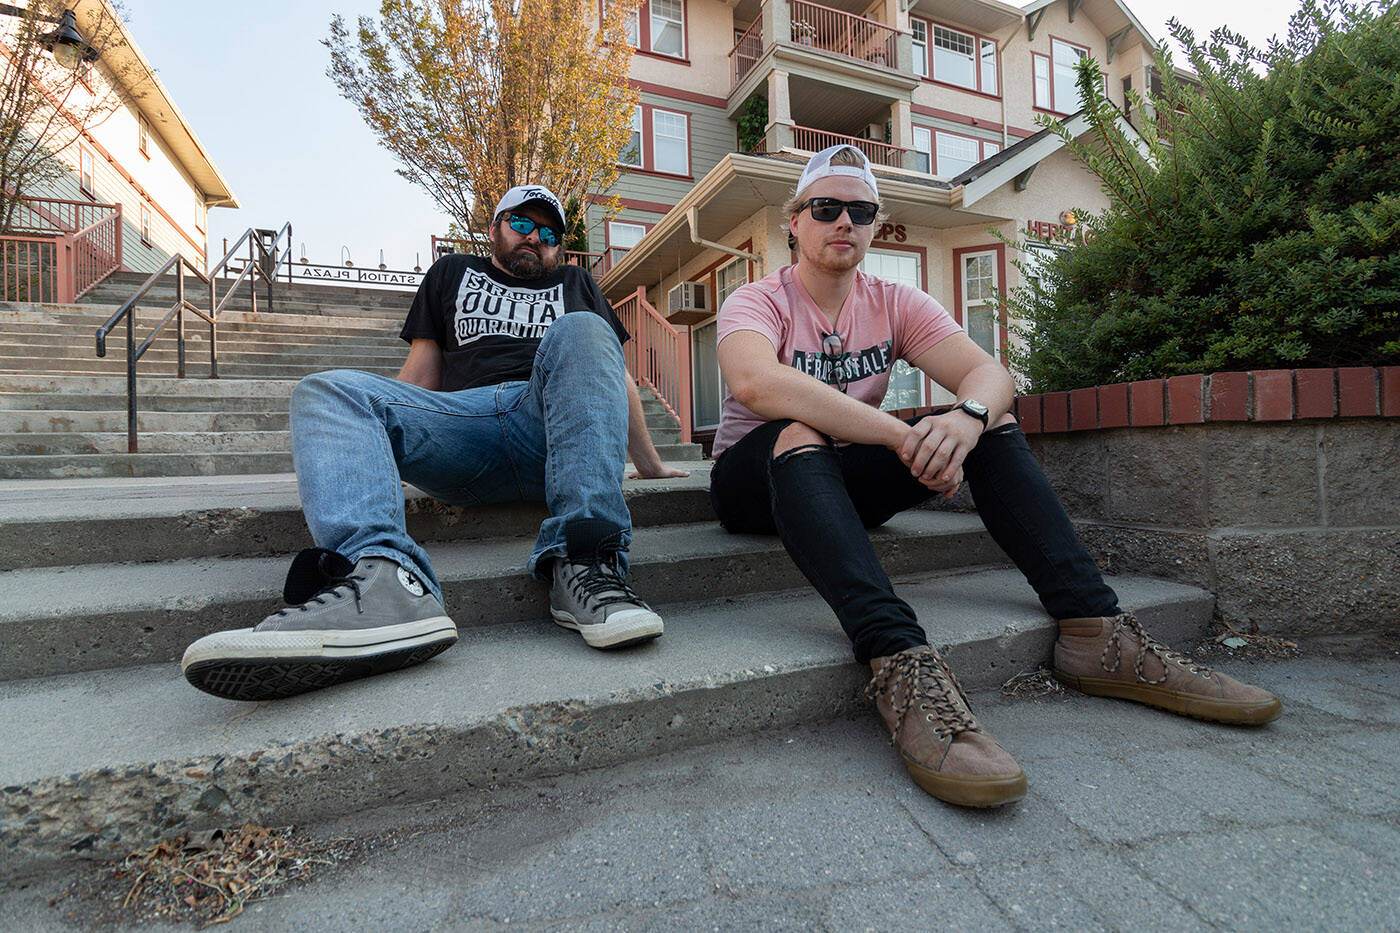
x=349, y=275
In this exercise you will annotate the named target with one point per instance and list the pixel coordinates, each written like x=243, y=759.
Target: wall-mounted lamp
x=345, y=255
x=381, y=260
x=417, y=264
x=66, y=44
x=303, y=253
x=1068, y=218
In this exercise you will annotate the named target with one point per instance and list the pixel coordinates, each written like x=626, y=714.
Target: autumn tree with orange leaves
x=475, y=96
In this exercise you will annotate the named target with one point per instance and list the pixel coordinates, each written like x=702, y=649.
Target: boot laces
x=600, y=584
x=330, y=591
x=925, y=679
x=1128, y=625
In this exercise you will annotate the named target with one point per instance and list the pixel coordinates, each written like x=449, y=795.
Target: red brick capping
x=1259, y=395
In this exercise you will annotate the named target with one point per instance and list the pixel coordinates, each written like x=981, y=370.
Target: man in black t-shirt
x=514, y=388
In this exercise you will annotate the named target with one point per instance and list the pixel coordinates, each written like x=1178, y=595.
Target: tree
x=44, y=107
x=1259, y=227
x=473, y=97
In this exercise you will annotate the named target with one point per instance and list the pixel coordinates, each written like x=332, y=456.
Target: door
x=907, y=384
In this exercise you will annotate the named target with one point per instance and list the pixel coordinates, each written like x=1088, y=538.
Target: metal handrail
x=181, y=265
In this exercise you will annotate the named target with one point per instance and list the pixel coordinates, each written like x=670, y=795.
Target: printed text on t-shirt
x=846, y=367
x=486, y=307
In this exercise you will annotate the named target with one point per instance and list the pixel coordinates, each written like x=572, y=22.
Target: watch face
x=976, y=407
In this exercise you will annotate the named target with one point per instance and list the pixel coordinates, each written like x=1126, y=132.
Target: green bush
x=1255, y=224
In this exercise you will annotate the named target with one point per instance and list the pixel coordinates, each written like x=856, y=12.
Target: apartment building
x=138, y=184
x=941, y=95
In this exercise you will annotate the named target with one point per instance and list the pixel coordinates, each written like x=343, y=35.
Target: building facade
x=142, y=161
x=943, y=97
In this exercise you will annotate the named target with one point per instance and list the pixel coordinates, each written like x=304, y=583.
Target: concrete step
x=155, y=442
x=147, y=387
x=95, y=315
x=55, y=335
x=193, y=367
x=70, y=421
x=125, y=284
x=328, y=355
x=60, y=466
x=63, y=522
x=113, y=404
x=91, y=616
x=113, y=760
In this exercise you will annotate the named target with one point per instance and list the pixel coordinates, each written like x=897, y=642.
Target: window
x=919, y=29
x=1064, y=92
x=660, y=141
x=1041, y=68
x=658, y=27
x=145, y=225
x=632, y=152
x=199, y=212
x=962, y=59
x=670, y=142
x=729, y=278
x=708, y=383
x=86, y=171
x=907, y=384
x=979, y=281
x=923, y=149
x=143, y=136
x=956, y=154
x=668, y=27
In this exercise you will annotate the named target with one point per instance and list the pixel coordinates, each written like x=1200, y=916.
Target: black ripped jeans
x=820, y=499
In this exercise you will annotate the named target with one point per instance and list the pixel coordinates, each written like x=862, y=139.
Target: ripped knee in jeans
x=799, y=449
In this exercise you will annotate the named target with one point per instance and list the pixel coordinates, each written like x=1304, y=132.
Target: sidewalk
x=1134, y=819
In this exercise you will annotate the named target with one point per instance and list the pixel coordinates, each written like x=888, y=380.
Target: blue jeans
x=560, y=438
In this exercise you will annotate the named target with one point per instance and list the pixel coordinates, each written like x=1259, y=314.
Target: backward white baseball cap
x=819, y=166
x=525, y=194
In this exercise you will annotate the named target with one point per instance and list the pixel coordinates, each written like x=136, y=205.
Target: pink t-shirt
x=880, y=322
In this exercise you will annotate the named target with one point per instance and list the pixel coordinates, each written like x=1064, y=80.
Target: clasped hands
x=935, y=447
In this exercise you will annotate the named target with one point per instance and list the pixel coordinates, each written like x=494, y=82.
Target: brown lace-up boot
x=1115, y=658
x=947, y=752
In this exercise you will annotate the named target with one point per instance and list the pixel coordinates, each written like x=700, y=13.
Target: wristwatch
x=974, y=408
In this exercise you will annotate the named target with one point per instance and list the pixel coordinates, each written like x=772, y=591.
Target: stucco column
x=895, y=15
x=778, y=133
x=777, y=22
x=902, y=131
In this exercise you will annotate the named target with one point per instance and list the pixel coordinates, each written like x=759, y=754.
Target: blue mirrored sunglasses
x=523, y=225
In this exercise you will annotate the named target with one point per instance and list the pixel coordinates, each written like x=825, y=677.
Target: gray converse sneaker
x=589, y=595
x=344, y=622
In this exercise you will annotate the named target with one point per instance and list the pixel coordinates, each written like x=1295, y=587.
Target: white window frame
x=87, y=171
x=927, y=51
x=684, y=139
x=653, y=19
x=983, y=79
x=143, y=135
x=145, y=225
x=1040, y=79
x=925, y=150
x=637, y=132
x=941, y=136
x=967, y=305
x=1065, y=71
x=918, y=28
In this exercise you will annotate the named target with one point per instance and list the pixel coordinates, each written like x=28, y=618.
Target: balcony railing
x=810, y=140
x=843, y=33
x=597, y=264
x=658, y=357
x=746, y=52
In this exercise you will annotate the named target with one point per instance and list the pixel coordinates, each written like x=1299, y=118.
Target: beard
x=830, y=261
x=524, y=263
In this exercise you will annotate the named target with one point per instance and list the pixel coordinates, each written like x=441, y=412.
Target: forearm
x=783, y=392
x=991, y=385
x=639, y=444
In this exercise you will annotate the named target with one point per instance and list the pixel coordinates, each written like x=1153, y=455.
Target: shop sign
x=346, y=275
x=1055, y=233
x=888, y=231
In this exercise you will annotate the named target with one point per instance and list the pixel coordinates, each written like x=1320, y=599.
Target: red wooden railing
x=843, y=33
x=29, y=269
x=85, y=240
x=812, y=140
x=746, y=52
x=658, y=356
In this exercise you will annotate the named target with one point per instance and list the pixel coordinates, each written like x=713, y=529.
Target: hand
x=935, y=447
x=657, y=470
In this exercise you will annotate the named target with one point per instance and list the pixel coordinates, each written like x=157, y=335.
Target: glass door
x=906, y=383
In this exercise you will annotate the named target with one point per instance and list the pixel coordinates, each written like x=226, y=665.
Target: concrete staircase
x=63, y=409
x=106, y=580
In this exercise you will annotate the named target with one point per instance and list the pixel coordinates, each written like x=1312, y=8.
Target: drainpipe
x=692, y=217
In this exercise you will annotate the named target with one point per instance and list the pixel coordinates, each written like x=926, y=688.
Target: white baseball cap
x=819, y=166
x=526, y=194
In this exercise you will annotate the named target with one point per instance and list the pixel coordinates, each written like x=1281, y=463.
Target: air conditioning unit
x=688, y=302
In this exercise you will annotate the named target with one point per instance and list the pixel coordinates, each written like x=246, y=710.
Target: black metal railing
x=265, y=258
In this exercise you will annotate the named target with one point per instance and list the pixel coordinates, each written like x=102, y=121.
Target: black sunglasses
x=523, y=225
x=834, y=349
x=828, y=210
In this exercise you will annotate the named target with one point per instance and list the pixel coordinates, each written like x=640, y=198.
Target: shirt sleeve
x=425, y=318
x=920, y=323
x=750, y=308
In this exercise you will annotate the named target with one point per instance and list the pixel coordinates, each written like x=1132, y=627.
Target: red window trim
x=643, y=46
x=957, y=309
x=933, y=144
x=648, y=166
x=977, y=59
x=89, y=191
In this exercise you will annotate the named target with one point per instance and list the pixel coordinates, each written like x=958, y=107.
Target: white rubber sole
x=247, y=644
x=629, y=628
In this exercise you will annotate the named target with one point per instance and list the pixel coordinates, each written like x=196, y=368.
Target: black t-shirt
x=489, y=324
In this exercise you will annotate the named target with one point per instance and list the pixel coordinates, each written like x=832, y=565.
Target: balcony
x=809, y=140
x=801, y=28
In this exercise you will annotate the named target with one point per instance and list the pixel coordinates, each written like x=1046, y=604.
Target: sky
x=251, y=80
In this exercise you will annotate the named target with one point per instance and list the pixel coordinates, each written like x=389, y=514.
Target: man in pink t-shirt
x=804, y=451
